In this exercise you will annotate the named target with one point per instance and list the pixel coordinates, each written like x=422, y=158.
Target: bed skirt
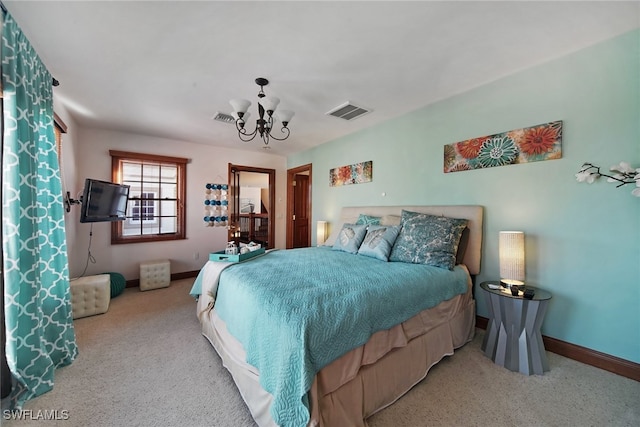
x=365, y=380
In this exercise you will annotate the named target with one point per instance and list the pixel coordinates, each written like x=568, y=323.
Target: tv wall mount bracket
x=68, y=202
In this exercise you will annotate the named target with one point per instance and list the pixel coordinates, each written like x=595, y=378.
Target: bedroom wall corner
x=582, y=241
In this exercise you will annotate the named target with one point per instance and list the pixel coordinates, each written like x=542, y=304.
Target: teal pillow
x=350, y=238
x=428, y=239
x=368, y=220
x=378, y=241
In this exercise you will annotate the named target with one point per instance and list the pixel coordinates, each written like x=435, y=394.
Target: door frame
x=272, y=198
x=291, y=175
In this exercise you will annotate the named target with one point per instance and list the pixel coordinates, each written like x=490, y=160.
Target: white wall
x=68, y=171
x=208, y=164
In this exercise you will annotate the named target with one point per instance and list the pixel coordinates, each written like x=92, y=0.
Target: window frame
x=117, y=158
x=59, y=127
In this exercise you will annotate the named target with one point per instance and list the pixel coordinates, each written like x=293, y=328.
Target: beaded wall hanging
x=216, y=205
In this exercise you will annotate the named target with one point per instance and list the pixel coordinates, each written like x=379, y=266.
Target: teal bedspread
x=295, y=311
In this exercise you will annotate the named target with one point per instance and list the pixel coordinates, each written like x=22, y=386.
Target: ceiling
x=165, y=68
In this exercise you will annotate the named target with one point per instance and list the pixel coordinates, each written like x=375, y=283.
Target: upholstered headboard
x=473, y=213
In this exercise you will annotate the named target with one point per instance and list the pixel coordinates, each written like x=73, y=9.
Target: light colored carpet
x=145, y=363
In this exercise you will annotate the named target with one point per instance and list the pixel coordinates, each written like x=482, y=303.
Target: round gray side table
x=513, y=338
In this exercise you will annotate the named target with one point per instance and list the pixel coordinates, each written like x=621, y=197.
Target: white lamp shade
x=269, y=103
x=240, y=105
x=285, y=115
x=321, y=232
x=511, y=254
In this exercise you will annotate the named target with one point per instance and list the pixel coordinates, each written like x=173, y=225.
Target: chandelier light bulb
x=285, y=116
x=269, y=103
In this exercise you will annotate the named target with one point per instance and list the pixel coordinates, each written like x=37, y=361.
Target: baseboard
x=581, y=354
x=584, y=355
x=134, y=283
x=185, y=275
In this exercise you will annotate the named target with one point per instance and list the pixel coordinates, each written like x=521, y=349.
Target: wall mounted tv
x=103, y=201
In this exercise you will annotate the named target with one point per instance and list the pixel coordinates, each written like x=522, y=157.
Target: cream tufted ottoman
x=155, y=274
x=90, y=295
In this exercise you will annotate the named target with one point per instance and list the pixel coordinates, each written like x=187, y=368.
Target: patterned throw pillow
x=350, y=238
x=379, y=241
x=368, y=220
x=428, y=239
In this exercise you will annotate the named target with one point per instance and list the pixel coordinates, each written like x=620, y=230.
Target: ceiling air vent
x=224, y=118
x=348, y=111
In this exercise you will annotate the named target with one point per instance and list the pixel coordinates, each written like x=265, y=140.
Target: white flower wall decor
x=621, y=174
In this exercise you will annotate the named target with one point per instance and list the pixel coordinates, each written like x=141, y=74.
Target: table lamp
x=321, y=232
x=511, y=254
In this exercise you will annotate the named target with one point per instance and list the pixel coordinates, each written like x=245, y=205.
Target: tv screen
x=103, y=201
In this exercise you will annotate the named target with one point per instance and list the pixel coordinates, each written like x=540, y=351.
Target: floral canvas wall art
x=351, y=174
x=532, y=144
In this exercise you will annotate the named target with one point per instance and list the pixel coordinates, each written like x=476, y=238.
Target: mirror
x=252, y=204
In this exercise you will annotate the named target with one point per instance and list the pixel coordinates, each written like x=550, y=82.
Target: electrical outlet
x=196, y=255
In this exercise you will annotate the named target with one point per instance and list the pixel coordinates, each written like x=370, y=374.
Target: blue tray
x=222, y=257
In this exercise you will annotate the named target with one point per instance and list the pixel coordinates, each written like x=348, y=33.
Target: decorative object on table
x=322, y=232
x=231, y=248
x=216, y=205
x=252, y=245
x=623, y=174
x=264, y=123
x=357, y=173
x=532, y=144
x=511, y=256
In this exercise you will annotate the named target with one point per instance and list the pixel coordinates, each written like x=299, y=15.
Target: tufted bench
x=155, y=274
x=90, y=295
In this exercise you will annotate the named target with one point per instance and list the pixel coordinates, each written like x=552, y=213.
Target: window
x=156, y=207
x=59, y=128
x=144, y=208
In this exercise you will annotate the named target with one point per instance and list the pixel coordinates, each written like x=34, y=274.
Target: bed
x=384, y=324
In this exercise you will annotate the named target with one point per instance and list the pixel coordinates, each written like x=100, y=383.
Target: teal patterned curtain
x=38, y=318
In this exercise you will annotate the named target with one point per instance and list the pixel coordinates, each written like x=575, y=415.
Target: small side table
x=513, y=338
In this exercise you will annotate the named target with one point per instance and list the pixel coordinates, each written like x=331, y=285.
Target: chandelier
x=265, y=122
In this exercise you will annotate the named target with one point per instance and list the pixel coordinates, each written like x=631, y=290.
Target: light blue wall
x=582, y=241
